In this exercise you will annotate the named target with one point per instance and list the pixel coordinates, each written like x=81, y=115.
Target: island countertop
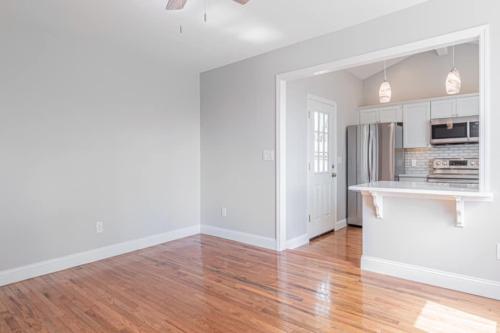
x=438, y=191
x=463, y=190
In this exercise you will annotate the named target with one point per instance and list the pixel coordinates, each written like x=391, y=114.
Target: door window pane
x=320, y=137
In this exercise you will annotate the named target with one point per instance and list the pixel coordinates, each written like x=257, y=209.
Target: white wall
x=342, y=88
x=238, y=122
x=91, y=132
x=423, y=75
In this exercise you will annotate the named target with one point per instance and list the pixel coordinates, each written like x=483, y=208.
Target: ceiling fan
x=179, y=4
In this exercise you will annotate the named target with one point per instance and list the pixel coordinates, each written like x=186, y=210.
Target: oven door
x=445, y=131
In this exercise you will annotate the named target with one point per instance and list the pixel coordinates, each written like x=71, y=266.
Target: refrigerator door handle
x=370, y=155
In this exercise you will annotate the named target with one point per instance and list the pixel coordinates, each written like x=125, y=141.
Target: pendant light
x=385, y=91
x=453, y=80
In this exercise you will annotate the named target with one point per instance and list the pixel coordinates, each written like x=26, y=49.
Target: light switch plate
x=223, y=212
x=268, y=155
x=413, y=163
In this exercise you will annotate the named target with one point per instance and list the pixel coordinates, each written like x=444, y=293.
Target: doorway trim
x=481, y=33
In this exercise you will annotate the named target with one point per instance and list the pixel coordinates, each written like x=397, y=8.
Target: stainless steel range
x=459, y=171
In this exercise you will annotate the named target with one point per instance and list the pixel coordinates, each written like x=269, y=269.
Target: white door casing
x=322, y=166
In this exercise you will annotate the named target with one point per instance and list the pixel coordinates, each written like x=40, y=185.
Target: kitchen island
x=459, y=193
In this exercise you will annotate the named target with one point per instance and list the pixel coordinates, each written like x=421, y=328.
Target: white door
x=322, y=168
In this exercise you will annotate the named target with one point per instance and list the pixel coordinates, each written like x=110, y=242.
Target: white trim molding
x=459, y=282
x=280, y=164
x=297, y=242
x=238, y=236
x=77, y=259
x=340, y=224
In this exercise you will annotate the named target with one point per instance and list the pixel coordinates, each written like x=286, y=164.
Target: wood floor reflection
x=207, y=284
x=345, y=245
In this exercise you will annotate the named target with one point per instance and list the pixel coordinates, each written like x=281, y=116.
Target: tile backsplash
x=424, y=156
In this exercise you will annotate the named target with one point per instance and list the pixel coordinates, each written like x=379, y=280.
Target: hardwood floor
x=206, y=284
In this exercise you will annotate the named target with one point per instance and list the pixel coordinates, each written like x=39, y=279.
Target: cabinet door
x=467, y=106
x=416, y=125
x=368, y=116
x=443, y=108
x=393, y=114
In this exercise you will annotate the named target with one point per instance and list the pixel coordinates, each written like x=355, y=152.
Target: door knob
x=334, y=175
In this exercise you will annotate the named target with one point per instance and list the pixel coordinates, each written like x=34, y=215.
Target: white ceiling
x=233, y=32
x=368, y=70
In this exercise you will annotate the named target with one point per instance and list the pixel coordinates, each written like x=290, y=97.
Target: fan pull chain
x=205, y=13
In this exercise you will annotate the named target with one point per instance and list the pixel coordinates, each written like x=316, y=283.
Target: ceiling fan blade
x=175, y=4
x=242, y=2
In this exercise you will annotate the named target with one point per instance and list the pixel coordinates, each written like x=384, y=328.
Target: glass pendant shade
x=453, y=82
x=385, y=92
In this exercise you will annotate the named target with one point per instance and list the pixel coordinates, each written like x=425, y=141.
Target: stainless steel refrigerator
x=374, y=153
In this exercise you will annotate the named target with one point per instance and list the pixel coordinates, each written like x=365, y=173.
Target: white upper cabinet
x=460, y=106
x=388, y=114
x=443, y=108
x=467, y=106
x=416, y=118
x=392, y=114
x=369, y=116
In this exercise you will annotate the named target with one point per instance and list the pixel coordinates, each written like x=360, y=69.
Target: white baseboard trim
x=77, y=259
x=297, y=242
x=340, y=224
x=463, y=283
x=238, y=236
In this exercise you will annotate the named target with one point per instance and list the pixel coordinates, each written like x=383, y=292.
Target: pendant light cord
x=205, y=12
x=385, y=71
x=453, y=56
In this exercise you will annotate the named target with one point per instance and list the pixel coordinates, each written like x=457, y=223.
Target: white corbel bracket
x=460, y=207
x=378, y=190
x=378, y=203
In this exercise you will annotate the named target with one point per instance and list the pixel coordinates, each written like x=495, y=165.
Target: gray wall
x=423, y=75
x=346, y=90
x=238, y=121
x=235, y=129
x=91, y=132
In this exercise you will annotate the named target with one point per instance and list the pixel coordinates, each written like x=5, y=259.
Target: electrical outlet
x=498, y=251
x=99, y=227
x=223, y=212
x=268, y=155
x=413, y=163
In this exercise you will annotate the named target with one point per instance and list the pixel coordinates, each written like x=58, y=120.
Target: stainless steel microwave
x=455, y=130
